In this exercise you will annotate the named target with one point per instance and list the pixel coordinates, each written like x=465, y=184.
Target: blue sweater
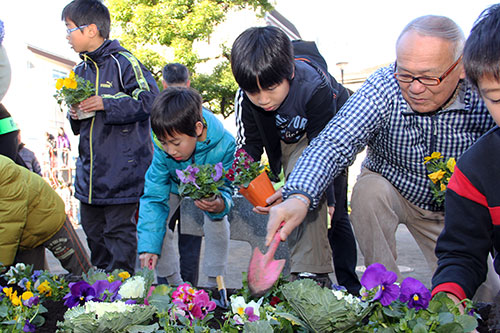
x=161, y=180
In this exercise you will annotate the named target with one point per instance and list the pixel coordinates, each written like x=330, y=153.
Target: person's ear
x=188, y=83
x=462, y=70
x=165, y=85
x=93, y=30
x=199, y=128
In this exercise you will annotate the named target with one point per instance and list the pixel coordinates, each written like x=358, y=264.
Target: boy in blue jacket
x=115, y=146
x=472, y=204
x=184, y=134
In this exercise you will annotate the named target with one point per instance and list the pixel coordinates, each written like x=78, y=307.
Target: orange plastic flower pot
x=258, y=190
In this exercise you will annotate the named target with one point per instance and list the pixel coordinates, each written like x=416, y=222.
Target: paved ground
x=409, y=256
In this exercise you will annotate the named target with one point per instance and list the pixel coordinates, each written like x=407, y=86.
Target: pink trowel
x=264, y=270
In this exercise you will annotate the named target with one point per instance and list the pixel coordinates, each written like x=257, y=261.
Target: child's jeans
x=216, y=245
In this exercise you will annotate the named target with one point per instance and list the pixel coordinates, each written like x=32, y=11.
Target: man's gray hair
x=437, y=26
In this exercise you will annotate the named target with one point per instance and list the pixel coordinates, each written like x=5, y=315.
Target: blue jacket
x=115, y=147
x=161, y=180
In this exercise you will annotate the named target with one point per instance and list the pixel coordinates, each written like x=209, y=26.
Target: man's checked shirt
x=397, y=139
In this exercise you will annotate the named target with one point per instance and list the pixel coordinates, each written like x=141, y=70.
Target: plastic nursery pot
x=258, y=190
x=82, y=115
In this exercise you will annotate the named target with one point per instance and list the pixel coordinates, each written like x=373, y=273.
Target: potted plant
x=251, y=178
x=440, y=173
x=72, y=90
x=201, y=181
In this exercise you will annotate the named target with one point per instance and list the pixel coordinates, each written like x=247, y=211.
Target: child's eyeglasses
x=69, y=31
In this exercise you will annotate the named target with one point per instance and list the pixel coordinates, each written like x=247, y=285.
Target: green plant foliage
x=148, y=27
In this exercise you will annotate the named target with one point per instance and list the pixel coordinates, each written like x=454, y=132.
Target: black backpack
x=308, y=52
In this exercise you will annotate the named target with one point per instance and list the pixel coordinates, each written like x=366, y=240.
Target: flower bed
x=117, y=302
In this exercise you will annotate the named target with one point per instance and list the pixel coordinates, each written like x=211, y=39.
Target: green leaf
x=450, y=328
x=258, y=327
x=468, y=323
x=446, y=317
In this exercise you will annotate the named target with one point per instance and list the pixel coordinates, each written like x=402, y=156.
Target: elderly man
x=402, y=113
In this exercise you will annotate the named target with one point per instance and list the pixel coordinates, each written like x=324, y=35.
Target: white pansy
x=133, y=288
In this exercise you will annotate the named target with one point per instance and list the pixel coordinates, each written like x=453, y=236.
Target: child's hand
x=148, y=260
x=273, y=200
x=93, y=103
x=215, y=206
x=72, y=113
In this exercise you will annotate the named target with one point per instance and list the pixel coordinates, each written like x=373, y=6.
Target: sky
x=360, y=32
x=364, y=32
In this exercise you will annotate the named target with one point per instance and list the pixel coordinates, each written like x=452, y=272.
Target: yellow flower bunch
x=440, y=173
x=73, y=89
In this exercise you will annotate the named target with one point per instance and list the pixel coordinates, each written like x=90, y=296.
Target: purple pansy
x=414, y=293
x=376, y=275
x=104, y=288
x=79, y=291
x=218, y=171
x=32, y=301
x=250, y=314
x=29, y=327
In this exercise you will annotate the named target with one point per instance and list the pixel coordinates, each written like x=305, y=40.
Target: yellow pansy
x=436, y=176
x=44, y=288
x=111, y=278
x=434, y=156
x=124, y=275
x=71, y=75
x=450, y=164
x=59, y=83
x=28, y=285
x=26, y=295
x=15, y=300
x=443, y=187
x=70, y=83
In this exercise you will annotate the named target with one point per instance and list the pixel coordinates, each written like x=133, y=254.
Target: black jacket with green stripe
x=115, y=147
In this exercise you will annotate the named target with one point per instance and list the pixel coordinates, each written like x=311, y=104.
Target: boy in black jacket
x=281, y=105
x=472, y=204
x=115, y=146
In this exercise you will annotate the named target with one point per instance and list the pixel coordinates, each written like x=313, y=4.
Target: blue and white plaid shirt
x=396, y=137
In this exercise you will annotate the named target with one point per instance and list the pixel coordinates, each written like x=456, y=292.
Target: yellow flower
x=71, y=75
x=450, y=164
x=70, y=83
x=26, y=295
x=44, y=288
x=28, y=285
x=443, y=187
x=15, y=300
x=7, y=291
x=434, y=156
x=111, y=278
x=436, y=176
x=59, y=83
x=124, y=275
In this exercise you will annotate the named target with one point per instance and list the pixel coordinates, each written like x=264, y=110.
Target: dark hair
x=176, y=110
x=83, y=12
x=482, y=48
x=261, y=56
x=175, y=73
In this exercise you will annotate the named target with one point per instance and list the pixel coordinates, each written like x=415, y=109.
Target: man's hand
x=148, y=260
x=273, y=200
x=292, y=211
x=216, y=206
x=331, y=211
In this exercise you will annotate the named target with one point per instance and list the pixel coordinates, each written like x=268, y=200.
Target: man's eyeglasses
x=69, y=31
x=426, y=80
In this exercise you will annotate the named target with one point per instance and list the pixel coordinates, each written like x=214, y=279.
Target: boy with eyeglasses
x=115, y=145
x=472, y=219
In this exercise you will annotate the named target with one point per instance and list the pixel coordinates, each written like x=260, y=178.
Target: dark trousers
x=66, y=246
x=189, y=251
x=111, y=235
x=342, y=240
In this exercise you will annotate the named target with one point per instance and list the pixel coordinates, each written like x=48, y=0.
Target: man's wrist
x=301, y=198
